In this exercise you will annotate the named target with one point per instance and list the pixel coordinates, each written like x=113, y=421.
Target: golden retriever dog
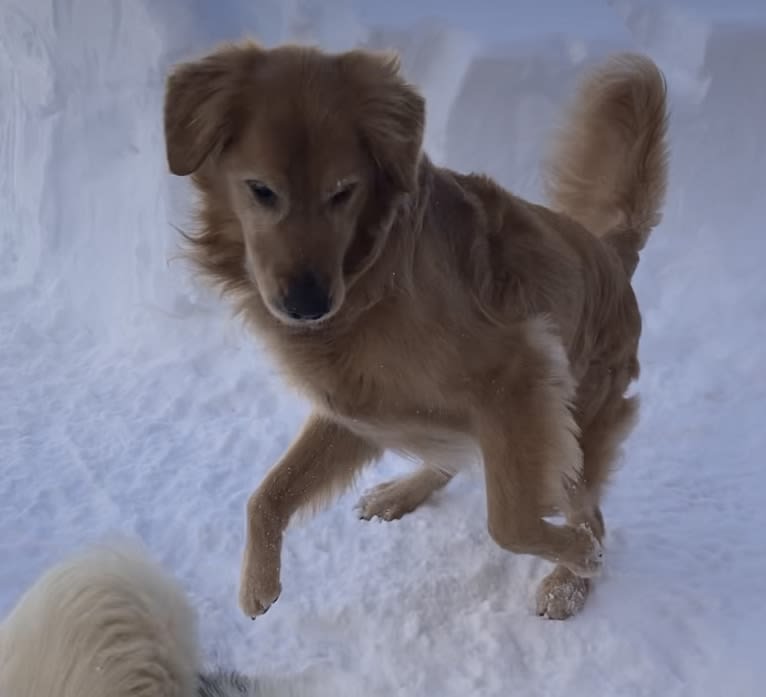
x=108, y=621
x=421, y=310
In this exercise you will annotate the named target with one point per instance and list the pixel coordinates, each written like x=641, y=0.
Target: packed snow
x=133, y=405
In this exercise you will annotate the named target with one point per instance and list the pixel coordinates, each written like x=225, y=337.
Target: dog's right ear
x=200, y=109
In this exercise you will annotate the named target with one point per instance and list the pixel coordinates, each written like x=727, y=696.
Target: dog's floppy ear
x=390, y=112
x=200, y=109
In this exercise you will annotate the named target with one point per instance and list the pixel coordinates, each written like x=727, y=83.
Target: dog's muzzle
x=307, y=298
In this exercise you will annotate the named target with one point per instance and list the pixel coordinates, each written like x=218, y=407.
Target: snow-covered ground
x=131, y=404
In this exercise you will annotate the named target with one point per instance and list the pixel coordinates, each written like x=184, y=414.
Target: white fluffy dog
x=110, y=622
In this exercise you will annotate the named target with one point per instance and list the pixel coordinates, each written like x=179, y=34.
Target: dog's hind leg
x=393, y=499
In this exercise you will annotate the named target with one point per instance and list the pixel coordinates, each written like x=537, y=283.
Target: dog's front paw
x=259, y=586
x=259, y=583
x=587, y=554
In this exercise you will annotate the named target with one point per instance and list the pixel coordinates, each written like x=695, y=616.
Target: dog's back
x=105, y=622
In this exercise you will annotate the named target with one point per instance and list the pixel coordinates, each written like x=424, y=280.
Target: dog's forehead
x=299, y=116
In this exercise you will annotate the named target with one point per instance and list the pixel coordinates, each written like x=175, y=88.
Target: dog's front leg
x=515, y=473
x=320, y=463
x=531, y=453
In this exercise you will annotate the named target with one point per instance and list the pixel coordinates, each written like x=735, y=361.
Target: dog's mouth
x=298, y=321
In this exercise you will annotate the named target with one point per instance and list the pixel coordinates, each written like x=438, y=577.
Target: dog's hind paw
x=390, y=500
x=398, y=497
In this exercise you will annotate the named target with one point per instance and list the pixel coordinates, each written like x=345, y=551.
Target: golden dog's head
x=309, y=151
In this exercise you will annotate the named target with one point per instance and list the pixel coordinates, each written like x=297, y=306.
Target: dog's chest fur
x=380, y=383
x=367, y=374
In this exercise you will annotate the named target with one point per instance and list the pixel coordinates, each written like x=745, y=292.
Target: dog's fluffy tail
x=608, y=167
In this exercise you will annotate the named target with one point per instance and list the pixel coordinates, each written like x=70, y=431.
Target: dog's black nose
x=306, y=298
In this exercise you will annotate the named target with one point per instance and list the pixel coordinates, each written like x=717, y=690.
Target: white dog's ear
x=390, y=113
x=200, y=107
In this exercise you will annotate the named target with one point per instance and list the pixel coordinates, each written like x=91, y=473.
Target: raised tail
x=608, y=167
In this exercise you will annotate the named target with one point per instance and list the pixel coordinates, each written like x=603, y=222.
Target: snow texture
x=133, y=404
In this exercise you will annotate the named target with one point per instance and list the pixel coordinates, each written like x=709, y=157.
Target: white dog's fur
x=108, y=622
x=104, y=622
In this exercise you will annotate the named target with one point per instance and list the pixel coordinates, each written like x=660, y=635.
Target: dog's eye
x=342, y=196
x=262, y=193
